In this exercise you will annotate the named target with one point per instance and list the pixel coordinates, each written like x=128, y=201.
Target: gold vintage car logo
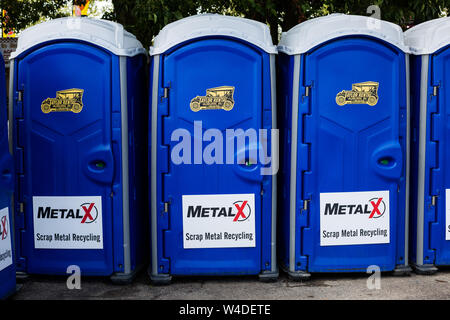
x=361, y=93
x=216, y=98
x=70, y=100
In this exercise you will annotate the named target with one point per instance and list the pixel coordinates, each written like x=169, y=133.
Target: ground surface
x=353, y=286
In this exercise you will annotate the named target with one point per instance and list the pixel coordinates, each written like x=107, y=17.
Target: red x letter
x=87, y=213
x=375, y=208
x=240, y=211
x=4, y=230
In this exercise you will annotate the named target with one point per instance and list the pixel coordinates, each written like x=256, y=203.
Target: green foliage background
x=145, y=18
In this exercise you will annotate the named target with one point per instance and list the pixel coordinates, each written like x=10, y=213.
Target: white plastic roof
x=311, y=33
x=106, y=34
x=203, y=25
x=428, y=37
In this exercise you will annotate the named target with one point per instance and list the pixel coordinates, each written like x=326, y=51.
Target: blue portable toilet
x=210, y=75
x=430, y=216
x=342, y=96
x=7, y=265
x=79, y=143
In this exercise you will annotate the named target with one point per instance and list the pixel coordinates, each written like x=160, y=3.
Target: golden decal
x=216, y=98
x=361, y=93
x=70, y=100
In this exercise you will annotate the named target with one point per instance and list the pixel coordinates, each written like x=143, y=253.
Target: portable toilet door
x=343, y=83
x=7, y=265
x=212, y=211
x=430, y=218
x=79, y=92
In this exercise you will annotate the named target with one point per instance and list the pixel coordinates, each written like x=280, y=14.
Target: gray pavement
x=321, y=286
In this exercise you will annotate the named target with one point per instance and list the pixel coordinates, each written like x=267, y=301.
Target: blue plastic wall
x=440, y=137
x=137, y=124
x=436, y=250
x=8, y=274
x=338, y=148
x=187, y=70
x=285, y=74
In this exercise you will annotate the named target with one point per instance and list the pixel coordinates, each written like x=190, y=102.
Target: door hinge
x=433, y=200
x=307, y=91
x=21, y=207
x=19, y=108
x=435, y=90
x=166, y=207
x=166, y=93
x=306, y=205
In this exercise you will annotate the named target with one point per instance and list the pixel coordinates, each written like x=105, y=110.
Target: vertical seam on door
x=275, y=148
x=293, y=181
x=154, y=112
x=422, y=158
x=408, y=152
x=125, y=165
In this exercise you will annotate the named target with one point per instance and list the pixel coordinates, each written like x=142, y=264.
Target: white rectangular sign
x=219, y=221
x=68, y=222
x=5, y=239
x=350, y=218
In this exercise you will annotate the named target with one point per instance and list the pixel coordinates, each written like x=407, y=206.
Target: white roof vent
x=203, y=25
x=428, y=37
x=314, y=32
x=106, y=34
